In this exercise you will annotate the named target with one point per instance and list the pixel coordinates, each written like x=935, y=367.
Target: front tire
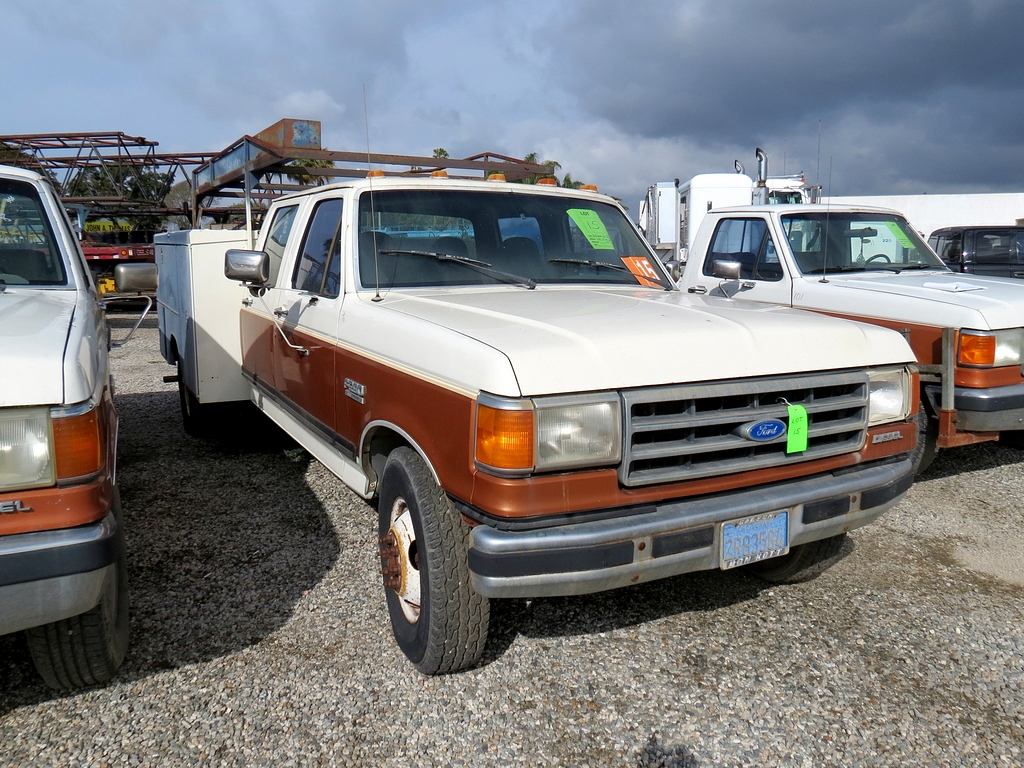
x=87, y=649
x=801, y=563
x=927, y=441
x=439, y=622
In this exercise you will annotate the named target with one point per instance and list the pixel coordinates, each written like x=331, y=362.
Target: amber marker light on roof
x=496, y=177
x=977, y=350
x=548, y=182
x=376, y=173
x=589, y=187
x=504, y=438
x=77, y=445
x=441, y=174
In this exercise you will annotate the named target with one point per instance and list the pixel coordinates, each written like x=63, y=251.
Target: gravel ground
x=260, y=635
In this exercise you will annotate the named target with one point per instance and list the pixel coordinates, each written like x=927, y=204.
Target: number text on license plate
x=754, y=538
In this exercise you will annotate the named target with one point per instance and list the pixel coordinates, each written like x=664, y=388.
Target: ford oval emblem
x=763, y=431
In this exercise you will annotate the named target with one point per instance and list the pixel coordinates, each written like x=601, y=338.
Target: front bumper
x=994, y=409
x=47, y=576
x=677, y=537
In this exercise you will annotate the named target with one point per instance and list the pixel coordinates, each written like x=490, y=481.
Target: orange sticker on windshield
x=642, y=270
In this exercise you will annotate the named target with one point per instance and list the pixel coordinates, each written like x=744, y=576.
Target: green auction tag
x=899, y=234
x=593, y=228
x=796, y=435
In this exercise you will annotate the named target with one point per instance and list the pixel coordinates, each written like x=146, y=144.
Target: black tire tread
x=801, y=563
x=84, y=650
x=927, y=441
x=459, y=616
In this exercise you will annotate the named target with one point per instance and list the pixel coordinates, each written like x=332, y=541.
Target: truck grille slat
x=693, y=431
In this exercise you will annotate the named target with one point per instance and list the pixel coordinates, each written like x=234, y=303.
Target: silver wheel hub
x=400, y=560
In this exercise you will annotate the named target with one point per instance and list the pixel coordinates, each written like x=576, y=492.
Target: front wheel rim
x=402, y=558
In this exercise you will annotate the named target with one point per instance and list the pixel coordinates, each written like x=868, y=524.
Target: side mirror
x=135, y=278
x=247, y=266
x=675, y=269
x=727, y=270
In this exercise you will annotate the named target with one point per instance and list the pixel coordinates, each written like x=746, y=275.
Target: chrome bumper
x=47, y=576
x=677, y=537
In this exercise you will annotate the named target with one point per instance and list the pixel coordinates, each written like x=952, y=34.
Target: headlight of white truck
x=519, y=436
x=889, y=395
x=991, y=349
x=26, y=448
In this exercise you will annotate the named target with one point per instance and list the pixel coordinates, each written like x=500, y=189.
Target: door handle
x=280, y=312
x=696, y=289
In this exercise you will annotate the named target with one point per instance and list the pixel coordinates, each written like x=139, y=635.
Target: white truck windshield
x=28, y=250
x=856, y=242
x=448, y=238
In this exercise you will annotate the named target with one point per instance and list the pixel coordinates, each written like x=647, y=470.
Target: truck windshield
x=856, y=242
x=28, y=251
x=497, y=237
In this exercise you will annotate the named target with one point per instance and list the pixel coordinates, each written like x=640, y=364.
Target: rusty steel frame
x=63, y=157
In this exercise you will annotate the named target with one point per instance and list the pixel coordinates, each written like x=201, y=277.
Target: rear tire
x=801, y=563
x=195, y=417
x=440, y=623
x=87, y=649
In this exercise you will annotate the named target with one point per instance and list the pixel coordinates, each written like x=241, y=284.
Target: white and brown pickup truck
x=538, y=409
x=62, y=551
x=868, y=264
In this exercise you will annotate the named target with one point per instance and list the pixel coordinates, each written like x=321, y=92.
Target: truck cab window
x=320, y=247
x=748, y=242
x=277, y=240
x=28, y=251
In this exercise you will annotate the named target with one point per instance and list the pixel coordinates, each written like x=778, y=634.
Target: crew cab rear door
x=307, y=307
x=749, y=242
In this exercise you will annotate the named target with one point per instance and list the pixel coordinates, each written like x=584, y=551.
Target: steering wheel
x=878, y=256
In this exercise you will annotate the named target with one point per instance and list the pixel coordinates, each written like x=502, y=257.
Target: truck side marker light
x=977, y=350
x=504, y=439
x=77, y=445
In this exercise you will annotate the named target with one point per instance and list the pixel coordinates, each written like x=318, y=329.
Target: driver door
x=747, y=241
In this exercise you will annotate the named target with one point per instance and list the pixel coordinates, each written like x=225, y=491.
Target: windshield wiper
x=480, y=266
x=902, y=267
x=592, y=263
x=589, y=263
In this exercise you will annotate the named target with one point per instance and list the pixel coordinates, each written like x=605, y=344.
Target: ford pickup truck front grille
x=695, y=430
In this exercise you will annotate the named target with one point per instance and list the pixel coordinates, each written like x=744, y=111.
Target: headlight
x=991, y=348
x=520, y=436
x=889, y=396
x=26, y=453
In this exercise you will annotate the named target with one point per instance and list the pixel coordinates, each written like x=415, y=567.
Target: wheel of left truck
x=88, y=649
x=193, y=416
x=439, y=622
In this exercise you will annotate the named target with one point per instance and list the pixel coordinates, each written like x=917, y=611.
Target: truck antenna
x=828, y=209
x=373, y=214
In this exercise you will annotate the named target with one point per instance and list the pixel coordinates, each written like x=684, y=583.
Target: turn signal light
x=504, y=438
x=977, y=350
x=77, y=445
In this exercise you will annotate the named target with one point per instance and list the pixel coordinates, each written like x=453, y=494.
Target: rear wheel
x=802, y=562
x=440, y=623
x=195, y=417
x=87, y=649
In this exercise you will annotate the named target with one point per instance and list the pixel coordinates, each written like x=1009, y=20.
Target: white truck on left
x=62, y=551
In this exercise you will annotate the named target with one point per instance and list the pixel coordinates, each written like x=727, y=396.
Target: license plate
x=754, y=538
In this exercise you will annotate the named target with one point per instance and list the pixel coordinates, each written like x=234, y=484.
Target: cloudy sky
x=911, y=95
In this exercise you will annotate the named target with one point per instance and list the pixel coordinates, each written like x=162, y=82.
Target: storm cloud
x=910, y=97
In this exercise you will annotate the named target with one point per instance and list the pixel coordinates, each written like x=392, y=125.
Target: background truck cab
x=869, y=264
x=995, y=251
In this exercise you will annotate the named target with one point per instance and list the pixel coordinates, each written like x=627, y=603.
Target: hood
x=584, y=339
x=930, y=298
x=33, y=335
